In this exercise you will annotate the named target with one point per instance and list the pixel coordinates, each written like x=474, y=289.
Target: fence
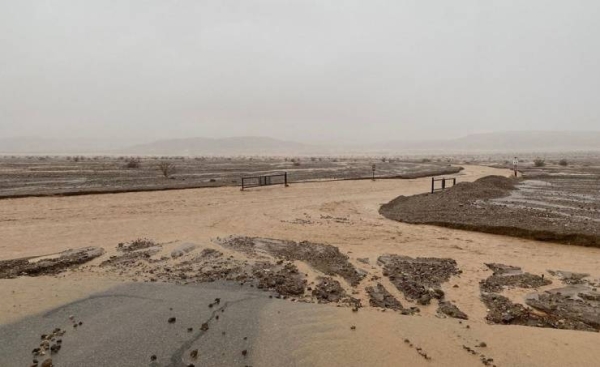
x=266, y=180
x=443, y=181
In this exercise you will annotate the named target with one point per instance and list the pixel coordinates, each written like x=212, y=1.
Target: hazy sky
x=304, y=70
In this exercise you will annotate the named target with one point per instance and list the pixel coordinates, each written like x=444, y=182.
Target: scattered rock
x=328, y=290
x=48, y=265
x=380, y=297
x=510, y=276
x=451, y=310
x=183, y=249
x=420, y=278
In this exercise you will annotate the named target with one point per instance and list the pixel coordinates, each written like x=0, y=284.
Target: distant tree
x=539, y=162
x=166, y=168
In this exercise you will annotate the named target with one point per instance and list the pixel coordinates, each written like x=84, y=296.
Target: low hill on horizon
x=508, y=142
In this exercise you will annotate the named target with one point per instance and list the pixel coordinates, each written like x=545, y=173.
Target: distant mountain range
x=492, y=142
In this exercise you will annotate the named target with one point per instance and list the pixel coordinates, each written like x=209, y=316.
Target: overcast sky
x=341, y=70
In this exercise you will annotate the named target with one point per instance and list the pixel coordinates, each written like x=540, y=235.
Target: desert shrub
x=297, y=163
x=425, y=160
x=563, y=162
x=383, y=159
x=133, y=163
x=166, y=168
x=539, y=162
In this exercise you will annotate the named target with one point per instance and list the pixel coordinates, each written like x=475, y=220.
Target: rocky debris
x=380, y=297
x=503, y=311
x=568, y=277
x=48, y=265
x=210, y=253
x=130, y=258
x=136, y=245
x=510, y=276
x=50, y=344
x=328, y=290
x=571, y=305
x=183, y=249
x=420, y=278
x=548, y=208
x=324, y=258
x=449, y=309
x=286, y=280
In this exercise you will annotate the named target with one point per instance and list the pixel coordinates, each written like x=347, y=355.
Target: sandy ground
x=310, y=335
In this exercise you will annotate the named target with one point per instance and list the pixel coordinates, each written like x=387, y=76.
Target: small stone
x=172, y=320
x=153, y=358
x=482, y=345
x=194, y=354
x=353, y=328
x=190, y=329
x=48, y=363
x=244, y=352
x=204, y=327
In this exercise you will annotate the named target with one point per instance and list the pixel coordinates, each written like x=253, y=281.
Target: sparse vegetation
x=539, y=162
x=563, y=162
x=166, y=168
x=133, y=163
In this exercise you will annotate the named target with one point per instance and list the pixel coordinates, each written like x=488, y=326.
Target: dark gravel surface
x=44, y=176
x=564, y=209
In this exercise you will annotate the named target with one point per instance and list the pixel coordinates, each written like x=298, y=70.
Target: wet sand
x=343, y=214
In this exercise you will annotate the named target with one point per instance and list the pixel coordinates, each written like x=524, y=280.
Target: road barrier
x=443, y=181
x=266, y=180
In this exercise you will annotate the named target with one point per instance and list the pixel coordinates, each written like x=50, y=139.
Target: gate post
x=432, y=184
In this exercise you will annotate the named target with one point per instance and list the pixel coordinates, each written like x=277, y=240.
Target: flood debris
x=451, y=310
x=420, y=278
x=568, y=277
x=324, y=258
x=381, y=297
x=506, y=276
x=48, y=265
x=328, y=290
x=285, y=280
x=504, y=311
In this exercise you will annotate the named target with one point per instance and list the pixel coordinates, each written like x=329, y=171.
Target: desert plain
x=306, y=275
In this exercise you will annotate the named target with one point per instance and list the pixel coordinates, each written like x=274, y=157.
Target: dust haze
x=308, y=71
